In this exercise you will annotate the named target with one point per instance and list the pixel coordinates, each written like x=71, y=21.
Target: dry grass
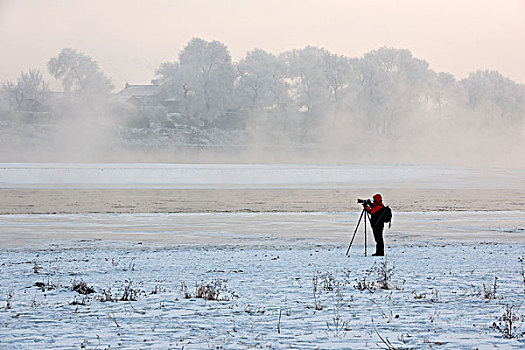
x=489, y=292
x=509, y=323
x=81, y=287
x=214, y=290
x=522, y=272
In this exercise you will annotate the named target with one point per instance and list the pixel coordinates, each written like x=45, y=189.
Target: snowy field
x=237, y=280
x=289, y=296
x=282, y=280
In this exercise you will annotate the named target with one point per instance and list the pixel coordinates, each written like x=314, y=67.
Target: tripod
x=365, y=213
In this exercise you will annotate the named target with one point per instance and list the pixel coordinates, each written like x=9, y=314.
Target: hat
x=377, y=198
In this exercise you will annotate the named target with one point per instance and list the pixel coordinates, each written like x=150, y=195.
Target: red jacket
x=376, y=212
x=375, y=207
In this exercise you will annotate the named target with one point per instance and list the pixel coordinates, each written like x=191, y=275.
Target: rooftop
x=138, y=91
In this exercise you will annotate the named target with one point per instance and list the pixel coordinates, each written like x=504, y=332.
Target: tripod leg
x=356, y=227
x=365, y=233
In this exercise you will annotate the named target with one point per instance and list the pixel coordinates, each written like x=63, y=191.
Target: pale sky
x=130, y=38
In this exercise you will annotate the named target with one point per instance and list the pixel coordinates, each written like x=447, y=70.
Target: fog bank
x=301, y=106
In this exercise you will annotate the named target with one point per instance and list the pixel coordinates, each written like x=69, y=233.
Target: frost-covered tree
x=442, y=90
x=30, y=85
x=261, y=91
x=319, y=79
x=323, y=87
x=79, y=73
x=307, y=74
x=207, y=75
x=202, y=80
x=392, y=84
x=261, y=84
x=340, y=74
x=169, y=77
x=494, y=97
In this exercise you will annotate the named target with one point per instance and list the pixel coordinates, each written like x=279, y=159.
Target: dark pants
x=378, y=236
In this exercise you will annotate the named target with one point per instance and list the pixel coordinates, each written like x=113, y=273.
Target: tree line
x=300, y=97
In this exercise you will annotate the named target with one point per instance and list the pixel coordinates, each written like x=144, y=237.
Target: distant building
x=140, y=94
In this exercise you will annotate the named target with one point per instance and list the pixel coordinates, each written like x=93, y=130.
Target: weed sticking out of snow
x=489, y=292
x=338, y=325
x=36, y=267
x=317, y=290
x=384, y=275
x=214, y=290
x=8, y=298
x=81, y=287
x=125, y=292
x=522, y=272
x=510, y=323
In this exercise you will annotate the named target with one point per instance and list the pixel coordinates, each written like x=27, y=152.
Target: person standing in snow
x=376, y=210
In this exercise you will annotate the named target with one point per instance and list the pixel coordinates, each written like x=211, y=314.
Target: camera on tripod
x=364, y=202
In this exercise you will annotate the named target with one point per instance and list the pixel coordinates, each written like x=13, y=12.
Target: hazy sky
x=130, y=38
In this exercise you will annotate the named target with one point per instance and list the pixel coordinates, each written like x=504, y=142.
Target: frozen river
x=13, y=175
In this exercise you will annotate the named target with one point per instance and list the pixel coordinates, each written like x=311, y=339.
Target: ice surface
x=254, y=175
x=257, y=228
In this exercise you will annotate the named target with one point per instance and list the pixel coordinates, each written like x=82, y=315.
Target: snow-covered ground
x=255, y=175
x=264, y=266
x=438, y=296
